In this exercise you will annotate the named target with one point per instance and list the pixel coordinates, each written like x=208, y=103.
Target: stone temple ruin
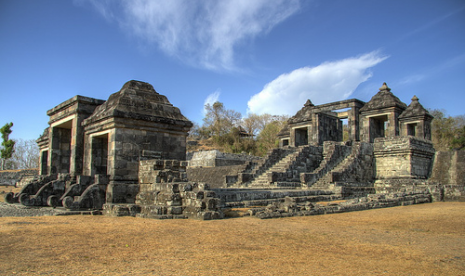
x=127, y=156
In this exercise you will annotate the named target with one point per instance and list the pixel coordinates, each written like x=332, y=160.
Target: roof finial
x=384, y=87
x=414, y=99
x=309, y=103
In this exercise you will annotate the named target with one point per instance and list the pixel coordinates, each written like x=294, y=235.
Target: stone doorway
x=44, y=162
x=378, y=127
x=61, y=147
x=99, y=155
x=301, y=136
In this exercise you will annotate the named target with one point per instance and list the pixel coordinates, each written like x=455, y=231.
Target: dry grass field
x=427, y=239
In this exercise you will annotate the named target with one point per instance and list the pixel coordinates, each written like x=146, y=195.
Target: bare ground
x=427, y=239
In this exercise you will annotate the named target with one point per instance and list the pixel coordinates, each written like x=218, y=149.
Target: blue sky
x=252, y=55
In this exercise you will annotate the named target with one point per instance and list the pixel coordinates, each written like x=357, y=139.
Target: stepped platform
x=249, y=197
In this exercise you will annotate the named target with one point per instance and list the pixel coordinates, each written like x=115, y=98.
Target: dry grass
x=426, y=239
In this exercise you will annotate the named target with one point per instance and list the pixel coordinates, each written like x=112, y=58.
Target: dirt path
x=427, y=239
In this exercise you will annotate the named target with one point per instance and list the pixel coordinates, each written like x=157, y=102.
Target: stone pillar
x=77, y=146
x=354, y=124
x=292, y=137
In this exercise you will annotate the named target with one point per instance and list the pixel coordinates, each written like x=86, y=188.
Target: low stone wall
x=447, y=192
x=17, y=177
x=291, y=208
x=215, y=158
x=234, y=198
x=214, y=176
x=171, y=201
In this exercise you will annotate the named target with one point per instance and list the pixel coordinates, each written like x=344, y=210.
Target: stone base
x=120, y=210
x=394, y=185
x=447, y=192
x=291, y=208
x=170, y=201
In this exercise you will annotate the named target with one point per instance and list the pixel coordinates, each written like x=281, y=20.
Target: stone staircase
x=256, y=168
x=286, y=172
x=263, y=178
x=334, y=153
x=325, y=181
x=355, y=171
x=275, y=156
x=317, y=168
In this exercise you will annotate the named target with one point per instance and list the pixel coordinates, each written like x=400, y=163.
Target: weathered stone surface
x=127, y=156
x=18, y=178
x=403, y=157
x=312, y=125
x=447, y=181
x=416, y=120
x=383, y=99
x=102, y=144
x=61, y=149
x=215, y=158
x=290, y=207
x=217, y=177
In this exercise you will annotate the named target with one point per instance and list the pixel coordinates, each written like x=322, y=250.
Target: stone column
x=354, y=124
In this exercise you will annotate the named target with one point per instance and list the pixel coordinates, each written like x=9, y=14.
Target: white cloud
x=202, y=33
x=327, y=82
x=211, y=99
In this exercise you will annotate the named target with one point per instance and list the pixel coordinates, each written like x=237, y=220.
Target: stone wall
x=214, y=176
x=162, y=171
x=163, y=192
x=240, y=198
x=18, y=177
x=215, y=158
x=447, y=181
x=449, y=168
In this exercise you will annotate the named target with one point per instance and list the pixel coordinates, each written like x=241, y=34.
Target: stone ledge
x=290, y=208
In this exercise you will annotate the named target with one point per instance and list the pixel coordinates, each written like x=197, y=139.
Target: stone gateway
x=126, y=156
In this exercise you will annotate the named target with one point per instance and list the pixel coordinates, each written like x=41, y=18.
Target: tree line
x=229, y=132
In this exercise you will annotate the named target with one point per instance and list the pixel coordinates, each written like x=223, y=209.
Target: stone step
x=282, y=166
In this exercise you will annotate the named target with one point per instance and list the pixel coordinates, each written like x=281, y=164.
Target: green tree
x=268, y=138
x=446, y=131
x=255, y=123
x=458, y=142
x=8, y=145
x=222, y=125
x=219, y=120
